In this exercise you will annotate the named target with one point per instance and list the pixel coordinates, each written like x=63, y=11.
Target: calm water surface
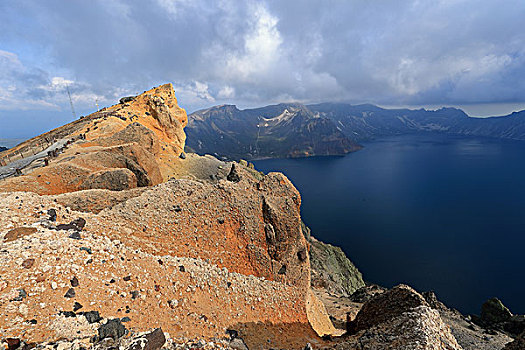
x=438, y=212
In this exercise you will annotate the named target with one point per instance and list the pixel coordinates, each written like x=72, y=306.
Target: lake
x=437, y=212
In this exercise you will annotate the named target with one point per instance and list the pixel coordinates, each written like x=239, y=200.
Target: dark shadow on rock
x=267, y=335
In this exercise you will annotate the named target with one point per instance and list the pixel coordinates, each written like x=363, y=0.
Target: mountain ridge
x=113, y=237
x=328, y=128
x=282, y=130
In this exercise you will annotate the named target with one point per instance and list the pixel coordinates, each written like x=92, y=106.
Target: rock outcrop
x=493, y=311
x=120, y=239
x=497, y=317
x=151, y=239
x=332, y=270
x=399, y=319
x=129, y=145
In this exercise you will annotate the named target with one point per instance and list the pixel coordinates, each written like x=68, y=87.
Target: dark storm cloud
x=254, y=52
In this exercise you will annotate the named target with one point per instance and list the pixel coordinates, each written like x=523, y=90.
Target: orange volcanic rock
x=124, y=146
x=119, y=223
x=118, y=232
x=198, y=255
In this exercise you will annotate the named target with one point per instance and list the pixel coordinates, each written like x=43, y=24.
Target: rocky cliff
x=120, y=222
x=135, y=143
x=280, y=131
x=332, y=270
x=364, y=122
x=295, y=130
x=111, y=236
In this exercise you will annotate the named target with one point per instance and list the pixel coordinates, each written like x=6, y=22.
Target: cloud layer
x=443, y=52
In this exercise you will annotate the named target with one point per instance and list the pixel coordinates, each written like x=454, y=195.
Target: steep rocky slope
x=363, y=122
x=132, y=144
x=280, y=131
x=119, y=239
x=218, y=246
x=294, y=130
x=332, y=270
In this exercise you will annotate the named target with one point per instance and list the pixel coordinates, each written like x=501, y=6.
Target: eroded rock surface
x=399, y=319
x=332, y=270
x=122, y=240
x=128, y=145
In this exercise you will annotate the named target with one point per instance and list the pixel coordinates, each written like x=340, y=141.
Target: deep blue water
x=437, y=212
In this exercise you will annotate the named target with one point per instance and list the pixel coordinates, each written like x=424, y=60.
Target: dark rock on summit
x=77, y=306
x=75, y=235
x=233, y=176
x=52, y=214
x=70, y=293
x=150, y=341
x=364, y=294
x=77, y=224
x=74, y=282
x=493, y=311
x=92, y=316
x=232, y=333
x=126, y=99
x=111, y=329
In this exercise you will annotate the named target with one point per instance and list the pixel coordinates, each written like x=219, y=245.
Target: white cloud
x=226, y=92
x=261, y=46
x=259, y=52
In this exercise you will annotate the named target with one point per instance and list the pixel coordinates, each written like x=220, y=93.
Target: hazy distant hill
x=284, y=130
x=294, y=130
x=2, y=148
x=363, y=122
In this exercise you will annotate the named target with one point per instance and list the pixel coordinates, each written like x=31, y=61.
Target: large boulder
x=386, y=306
x=493, y=312
x=399, y=319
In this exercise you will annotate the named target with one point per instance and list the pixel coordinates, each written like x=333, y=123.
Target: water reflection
x=435, y=211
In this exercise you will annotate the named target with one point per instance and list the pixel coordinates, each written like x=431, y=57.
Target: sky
x=465, y=53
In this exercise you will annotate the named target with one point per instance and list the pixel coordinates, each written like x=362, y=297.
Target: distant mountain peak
x=281, y=130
